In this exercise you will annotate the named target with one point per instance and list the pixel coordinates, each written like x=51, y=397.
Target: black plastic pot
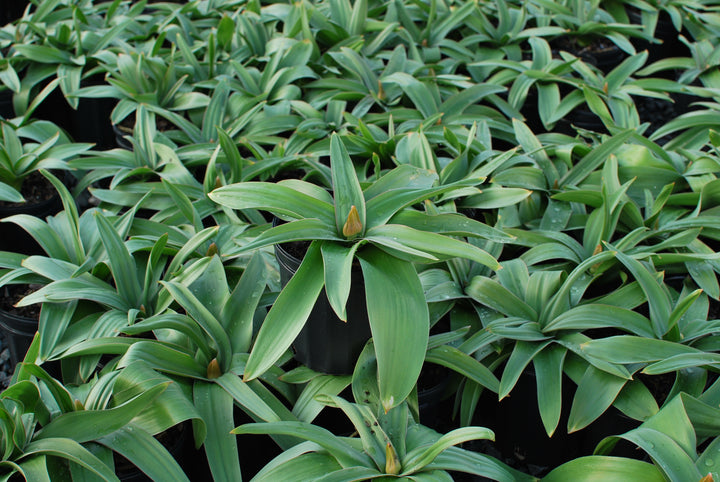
x=16, y=239
x=520, y=435
x=18, y=333
x=326, y=343
x=11, y=10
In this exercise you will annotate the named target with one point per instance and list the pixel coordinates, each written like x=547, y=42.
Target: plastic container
x=326, y=343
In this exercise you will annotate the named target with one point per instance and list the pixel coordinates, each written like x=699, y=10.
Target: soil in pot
x=599, y=51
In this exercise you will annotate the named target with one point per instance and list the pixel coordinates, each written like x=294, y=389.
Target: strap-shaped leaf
x=548, y=366
x=421, y=456
x=145, y=452
x=122, y=263
x=73, y=451
x=216, y=408
x=418, y=92
x=342, y=451
x=246, y=397
x=303, y=465
x=164, y=358
x=450, y=357
x=86, y=425
x=288, y=315
x=595, y=393
x=585, y=469
x=595, y=158
x=635, y=349
x=597, y=315
x=239, y=309
x=399, y=317
x=494, y=295
x=437, y=245
x=338, y=261
x=195, y=308
x=275, y=198
x=346, y=187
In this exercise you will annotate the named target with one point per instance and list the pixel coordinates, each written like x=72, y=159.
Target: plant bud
x=213, y=369
x=352, y=226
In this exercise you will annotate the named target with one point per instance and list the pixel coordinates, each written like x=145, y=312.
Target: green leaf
x=73, y=451
x=399, y=317
x=595, y=158
x=144, y=452
x=464, y=364
x=494, y=295
x=163, y=358
x=225, y=31
x=276, y=198
x=238, y=311
x=633, y=349
x=595, y=393
x=216, y=408
x=121, y=262
x=196, y=309
x=420, y=457
x=597, y=467
x=345, y=454
x=288, y=315
x=346, y=187
x=298, y=463
x=548, y=366
x=597, y=315
x=417, y=91
x=434, y=244
x=246, y=397
x=86, y=425
x=338, y=261
x=657, y=298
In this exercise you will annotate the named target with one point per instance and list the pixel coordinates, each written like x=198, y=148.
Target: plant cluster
x=521, y=195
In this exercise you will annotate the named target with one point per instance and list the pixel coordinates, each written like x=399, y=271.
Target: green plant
x=63, y=42
x=136, y=78
x=584, y=21
x=354, y=224
x=25, y=149
x=202, y=333
x=386, y=442
x=47, y=431
x=671, y=438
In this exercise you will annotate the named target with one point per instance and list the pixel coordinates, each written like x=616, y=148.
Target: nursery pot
x=521, y=437
x=16, y=239
x=18, y=332
x=326, y=343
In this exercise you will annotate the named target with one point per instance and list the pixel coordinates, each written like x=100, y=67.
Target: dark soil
x=35, y=189
x=11, y=294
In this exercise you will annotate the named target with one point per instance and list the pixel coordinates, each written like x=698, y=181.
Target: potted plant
x=355, y=223
x=25, y=149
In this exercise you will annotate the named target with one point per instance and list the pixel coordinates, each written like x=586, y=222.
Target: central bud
x=352, y=226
